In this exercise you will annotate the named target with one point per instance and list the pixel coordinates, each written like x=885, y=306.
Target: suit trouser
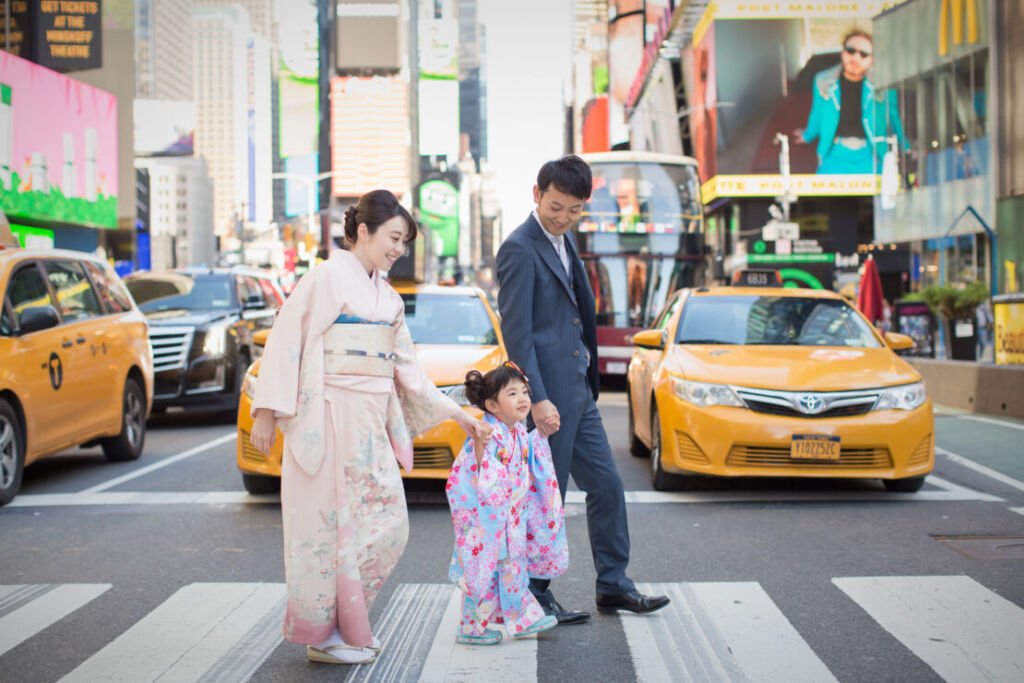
x=580, y=448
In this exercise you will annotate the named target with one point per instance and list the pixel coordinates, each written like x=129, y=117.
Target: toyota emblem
x=810, y=404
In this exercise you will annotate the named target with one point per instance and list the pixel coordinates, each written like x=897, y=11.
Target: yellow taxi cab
x=76, y=365
x=455, y=330
x=772, y=381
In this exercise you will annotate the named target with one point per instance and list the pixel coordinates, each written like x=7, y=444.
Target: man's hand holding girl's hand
x=546, y=418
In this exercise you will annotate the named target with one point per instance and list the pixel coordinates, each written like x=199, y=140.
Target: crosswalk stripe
x=962, y=630
x=718, y=632
x=30, y=609
x=191, y=634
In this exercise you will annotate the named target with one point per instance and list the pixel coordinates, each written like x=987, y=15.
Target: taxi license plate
x=814, y=447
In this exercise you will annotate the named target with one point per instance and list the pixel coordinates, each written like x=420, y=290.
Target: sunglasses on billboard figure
x=854, y=51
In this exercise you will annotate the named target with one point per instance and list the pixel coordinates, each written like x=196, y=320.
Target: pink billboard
x=58, y=147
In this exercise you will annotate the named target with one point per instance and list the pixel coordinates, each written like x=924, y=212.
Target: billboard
x=438, y=88
x=59, y=35
x=58, y=147
x=298, y=98
x=802, y=70
x=439, y=211
x=164, y=128
x=369, y=135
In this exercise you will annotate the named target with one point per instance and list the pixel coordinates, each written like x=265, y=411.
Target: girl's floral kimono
x=341, y=375
x=507, y=514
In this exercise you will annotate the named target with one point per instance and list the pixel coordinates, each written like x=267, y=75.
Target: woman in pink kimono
x=340, y=378
x=507, y=513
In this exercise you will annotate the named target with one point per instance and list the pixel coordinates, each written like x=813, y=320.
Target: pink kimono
x=507, y=515
x=340, y=373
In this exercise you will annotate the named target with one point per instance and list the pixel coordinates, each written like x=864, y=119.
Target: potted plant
x=955, y=306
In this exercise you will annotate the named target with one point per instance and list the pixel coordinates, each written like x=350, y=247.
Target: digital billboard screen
x=58, y=147
x=164, y=127
x=756, y=72
x=369, y=135
x=298, y=99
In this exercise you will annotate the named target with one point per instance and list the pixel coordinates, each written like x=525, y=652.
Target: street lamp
x=312, y=183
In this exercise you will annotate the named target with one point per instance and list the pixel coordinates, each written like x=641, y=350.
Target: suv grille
x=170, y=347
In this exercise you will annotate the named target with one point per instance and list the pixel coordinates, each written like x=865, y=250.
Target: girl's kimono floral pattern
x=342, y=502
x=507, y=514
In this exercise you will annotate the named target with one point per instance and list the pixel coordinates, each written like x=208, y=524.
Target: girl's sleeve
x=547, y=550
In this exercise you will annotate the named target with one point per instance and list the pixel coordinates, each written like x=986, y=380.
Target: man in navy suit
x=548, y=321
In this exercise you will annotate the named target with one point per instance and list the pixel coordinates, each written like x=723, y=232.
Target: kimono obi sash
x=360, y=348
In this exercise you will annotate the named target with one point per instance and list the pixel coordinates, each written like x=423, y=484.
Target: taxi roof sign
x=753, y=277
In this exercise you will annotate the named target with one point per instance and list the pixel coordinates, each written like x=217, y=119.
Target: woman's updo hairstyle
x=374, y=209
x=480, y=388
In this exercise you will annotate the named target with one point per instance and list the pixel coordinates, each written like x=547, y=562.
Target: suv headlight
x=457, y=393
x=215, y=341
x=903, y=397
x=704, y=394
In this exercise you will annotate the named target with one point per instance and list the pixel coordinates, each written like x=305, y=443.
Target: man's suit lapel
x=548, y=255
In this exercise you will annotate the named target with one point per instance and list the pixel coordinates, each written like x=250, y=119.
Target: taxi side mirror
x=37, y=318
x=898, y=342
x=260, y=338
x=649, y=339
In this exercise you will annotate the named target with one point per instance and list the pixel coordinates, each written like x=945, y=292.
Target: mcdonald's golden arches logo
x=952, y=19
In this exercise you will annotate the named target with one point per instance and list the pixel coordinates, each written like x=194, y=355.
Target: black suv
x=201, y=322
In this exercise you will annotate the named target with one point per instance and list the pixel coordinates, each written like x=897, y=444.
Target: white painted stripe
x=143, y=498
x=614, y=351
x=977, y=467
x=962, y=630
x=134, y=474
x=187, y=635
x=512, y=660
x=718, y=632
x=992, y=421
x=1019, y=511
x=26, y=621
x=950, y=492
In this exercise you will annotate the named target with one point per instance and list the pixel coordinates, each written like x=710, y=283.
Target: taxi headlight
x=903, y=397
x=249, y=385
x=704, y=394
x=457, y=393
x=216, y=339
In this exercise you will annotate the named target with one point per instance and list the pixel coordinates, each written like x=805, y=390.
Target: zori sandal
x=340, y=654
x=548, y=621
x=488, y=637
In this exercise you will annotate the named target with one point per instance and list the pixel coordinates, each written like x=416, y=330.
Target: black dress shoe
x=563, y=615
x=634, y=601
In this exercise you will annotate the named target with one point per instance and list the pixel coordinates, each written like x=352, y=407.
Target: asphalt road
x=165, y=567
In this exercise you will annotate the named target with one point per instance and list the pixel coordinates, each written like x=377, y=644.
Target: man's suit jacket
x=542, y=315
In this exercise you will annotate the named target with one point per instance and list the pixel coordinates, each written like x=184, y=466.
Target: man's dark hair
x=570, y=175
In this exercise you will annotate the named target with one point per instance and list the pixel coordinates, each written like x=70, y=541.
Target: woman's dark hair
x=479, y=387
x=375, y=208
x=570, y=175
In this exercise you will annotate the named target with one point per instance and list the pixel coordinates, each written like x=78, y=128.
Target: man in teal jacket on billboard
x=849, y=118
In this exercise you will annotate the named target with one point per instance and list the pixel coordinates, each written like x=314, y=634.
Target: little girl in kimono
x=340, y=378
x=507, y=514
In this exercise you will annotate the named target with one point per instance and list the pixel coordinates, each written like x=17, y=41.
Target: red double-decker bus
x=641, y=238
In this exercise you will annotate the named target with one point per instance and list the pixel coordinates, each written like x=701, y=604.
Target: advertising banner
x=63, y=35
x=369, y=135
x=164, y=128
x=1009, y=337
x=58, y=147
x=439, y=211
x=802, y=70
x=298, y=100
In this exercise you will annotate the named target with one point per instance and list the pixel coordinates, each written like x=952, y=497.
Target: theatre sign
x=62, y=35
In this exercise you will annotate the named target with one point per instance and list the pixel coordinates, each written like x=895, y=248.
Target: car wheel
x=256, y=485
x=128, y=444
x=660, y=479
x=636, y=447
x=12, y=453
x=908, y=485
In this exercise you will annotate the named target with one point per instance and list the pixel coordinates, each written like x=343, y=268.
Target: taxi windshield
x=166, y=291
x=773, y=320
x=448, y=319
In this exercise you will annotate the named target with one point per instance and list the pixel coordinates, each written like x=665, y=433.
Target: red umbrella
x=869, y=294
